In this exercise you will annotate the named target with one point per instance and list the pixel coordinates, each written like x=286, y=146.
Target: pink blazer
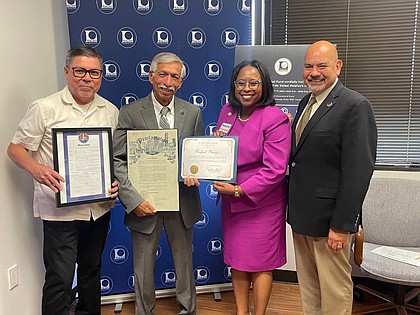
x=263, y=154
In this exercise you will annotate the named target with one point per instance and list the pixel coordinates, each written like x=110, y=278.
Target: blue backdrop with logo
x=129, y=33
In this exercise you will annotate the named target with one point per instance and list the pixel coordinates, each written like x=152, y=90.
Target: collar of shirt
x=157, y=107
x=321, y=97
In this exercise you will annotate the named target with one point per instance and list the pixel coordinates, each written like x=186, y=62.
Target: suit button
x=293, y=164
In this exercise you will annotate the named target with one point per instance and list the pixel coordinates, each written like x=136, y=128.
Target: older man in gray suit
x=166, y=75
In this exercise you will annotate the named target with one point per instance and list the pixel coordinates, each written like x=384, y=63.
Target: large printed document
x=153, y=166
x=401, y=255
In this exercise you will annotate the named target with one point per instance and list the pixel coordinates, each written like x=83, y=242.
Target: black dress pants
x=65, y=244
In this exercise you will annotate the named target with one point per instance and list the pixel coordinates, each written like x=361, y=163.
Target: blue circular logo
x=224, y=99
x=244, y=7
x=210, y=191
x=196, y=38
x=128, y=98
x=90, y=36
x=119, y=254
x=72, y=6
x=229, y=38
x=106, y=284
x=168, y=278
x=106, y=7
x=215, y=246
x=198, y=99
x=203, y=222
x=178, y=7
x=111, y=70
x=162, y=37
x=143, y=7
x=213, y=70
x=127, y=37
x=210, y=129
x=142, y=70
x=201, y=274
x=213, y=7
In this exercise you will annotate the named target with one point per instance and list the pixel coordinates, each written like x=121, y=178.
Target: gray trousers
x=144, y=255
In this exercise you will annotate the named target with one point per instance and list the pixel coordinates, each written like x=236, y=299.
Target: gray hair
x=78, y=51
x=167, y=57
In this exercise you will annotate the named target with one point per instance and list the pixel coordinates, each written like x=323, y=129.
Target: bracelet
x=236, y=192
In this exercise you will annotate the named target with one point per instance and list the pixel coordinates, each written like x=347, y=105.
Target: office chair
x=391, y=217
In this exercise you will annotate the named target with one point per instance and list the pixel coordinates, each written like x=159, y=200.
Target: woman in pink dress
x=253, y=209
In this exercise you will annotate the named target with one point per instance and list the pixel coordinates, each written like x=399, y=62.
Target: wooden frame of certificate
x=83, y=156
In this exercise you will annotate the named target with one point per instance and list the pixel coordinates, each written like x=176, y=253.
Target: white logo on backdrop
x=229, y=38
x=128, y=98
x=198, y=99
x=213, y=7
x=196, y=38
x=111, y=70
x=106, y=284
x=168, y=277
x=244, y=7
x=215, y=246
x=201, y=274
x=127, y=37
x=143, y=7
x=224, y=99
x=283, y=66
x=130, y=281
x=90, y=36
x=228, y=273
x=210, y=191
x=142, y=70
x=162, y=37
x=210, y=129
x=178, y=7
x=72, y=6
x=106, y=6
x=202, y=223
x=119, y=254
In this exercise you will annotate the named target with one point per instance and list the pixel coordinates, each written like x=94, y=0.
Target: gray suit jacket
x=140, y=115
x=331, y=167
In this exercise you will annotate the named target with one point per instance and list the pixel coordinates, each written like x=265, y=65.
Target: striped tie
x=163, y=122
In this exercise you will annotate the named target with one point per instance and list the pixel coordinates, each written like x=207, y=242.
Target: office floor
x=284, y=300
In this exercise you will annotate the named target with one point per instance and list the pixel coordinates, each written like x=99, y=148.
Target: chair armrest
x=358, y=246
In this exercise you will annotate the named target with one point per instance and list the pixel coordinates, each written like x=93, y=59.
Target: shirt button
x=293, y=164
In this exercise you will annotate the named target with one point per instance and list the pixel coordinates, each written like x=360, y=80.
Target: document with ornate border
x=209, y=158
x=83, y=156
x=153, y=166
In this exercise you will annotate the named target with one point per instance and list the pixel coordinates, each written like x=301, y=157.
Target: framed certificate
x=153, y=166
x=83, y=156
x=209, y=158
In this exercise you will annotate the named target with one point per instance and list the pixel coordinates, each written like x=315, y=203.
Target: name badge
x=225, y=127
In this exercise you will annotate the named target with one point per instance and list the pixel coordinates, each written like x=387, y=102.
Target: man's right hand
x=47, y=176
x=144, y=209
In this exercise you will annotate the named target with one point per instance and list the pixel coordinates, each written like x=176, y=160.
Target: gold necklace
x=239, y=117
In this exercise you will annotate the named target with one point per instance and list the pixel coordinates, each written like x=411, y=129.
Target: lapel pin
x=181, y=112
x=329, y=104
x=229, y=114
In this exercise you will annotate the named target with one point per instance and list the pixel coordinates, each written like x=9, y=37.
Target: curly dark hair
x=267, y=97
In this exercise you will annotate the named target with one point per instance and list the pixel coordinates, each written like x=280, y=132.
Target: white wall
x=34, y=40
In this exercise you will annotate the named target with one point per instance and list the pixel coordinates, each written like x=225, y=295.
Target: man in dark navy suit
x=332, y=161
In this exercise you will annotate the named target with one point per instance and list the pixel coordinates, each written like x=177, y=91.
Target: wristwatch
x=236, y=192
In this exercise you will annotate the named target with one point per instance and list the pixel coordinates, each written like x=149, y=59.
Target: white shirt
x=34, y=134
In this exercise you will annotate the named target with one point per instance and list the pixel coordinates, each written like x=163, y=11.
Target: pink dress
x=254, y=225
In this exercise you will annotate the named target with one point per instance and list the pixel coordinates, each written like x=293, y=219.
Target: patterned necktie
x=305, y=118
x=163, y=122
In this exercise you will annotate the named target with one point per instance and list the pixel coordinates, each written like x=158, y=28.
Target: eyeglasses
x=81, y=72
x=241, y=84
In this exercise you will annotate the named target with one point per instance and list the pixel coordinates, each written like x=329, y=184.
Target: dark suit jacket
x=141, y=115
x=331, y=167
